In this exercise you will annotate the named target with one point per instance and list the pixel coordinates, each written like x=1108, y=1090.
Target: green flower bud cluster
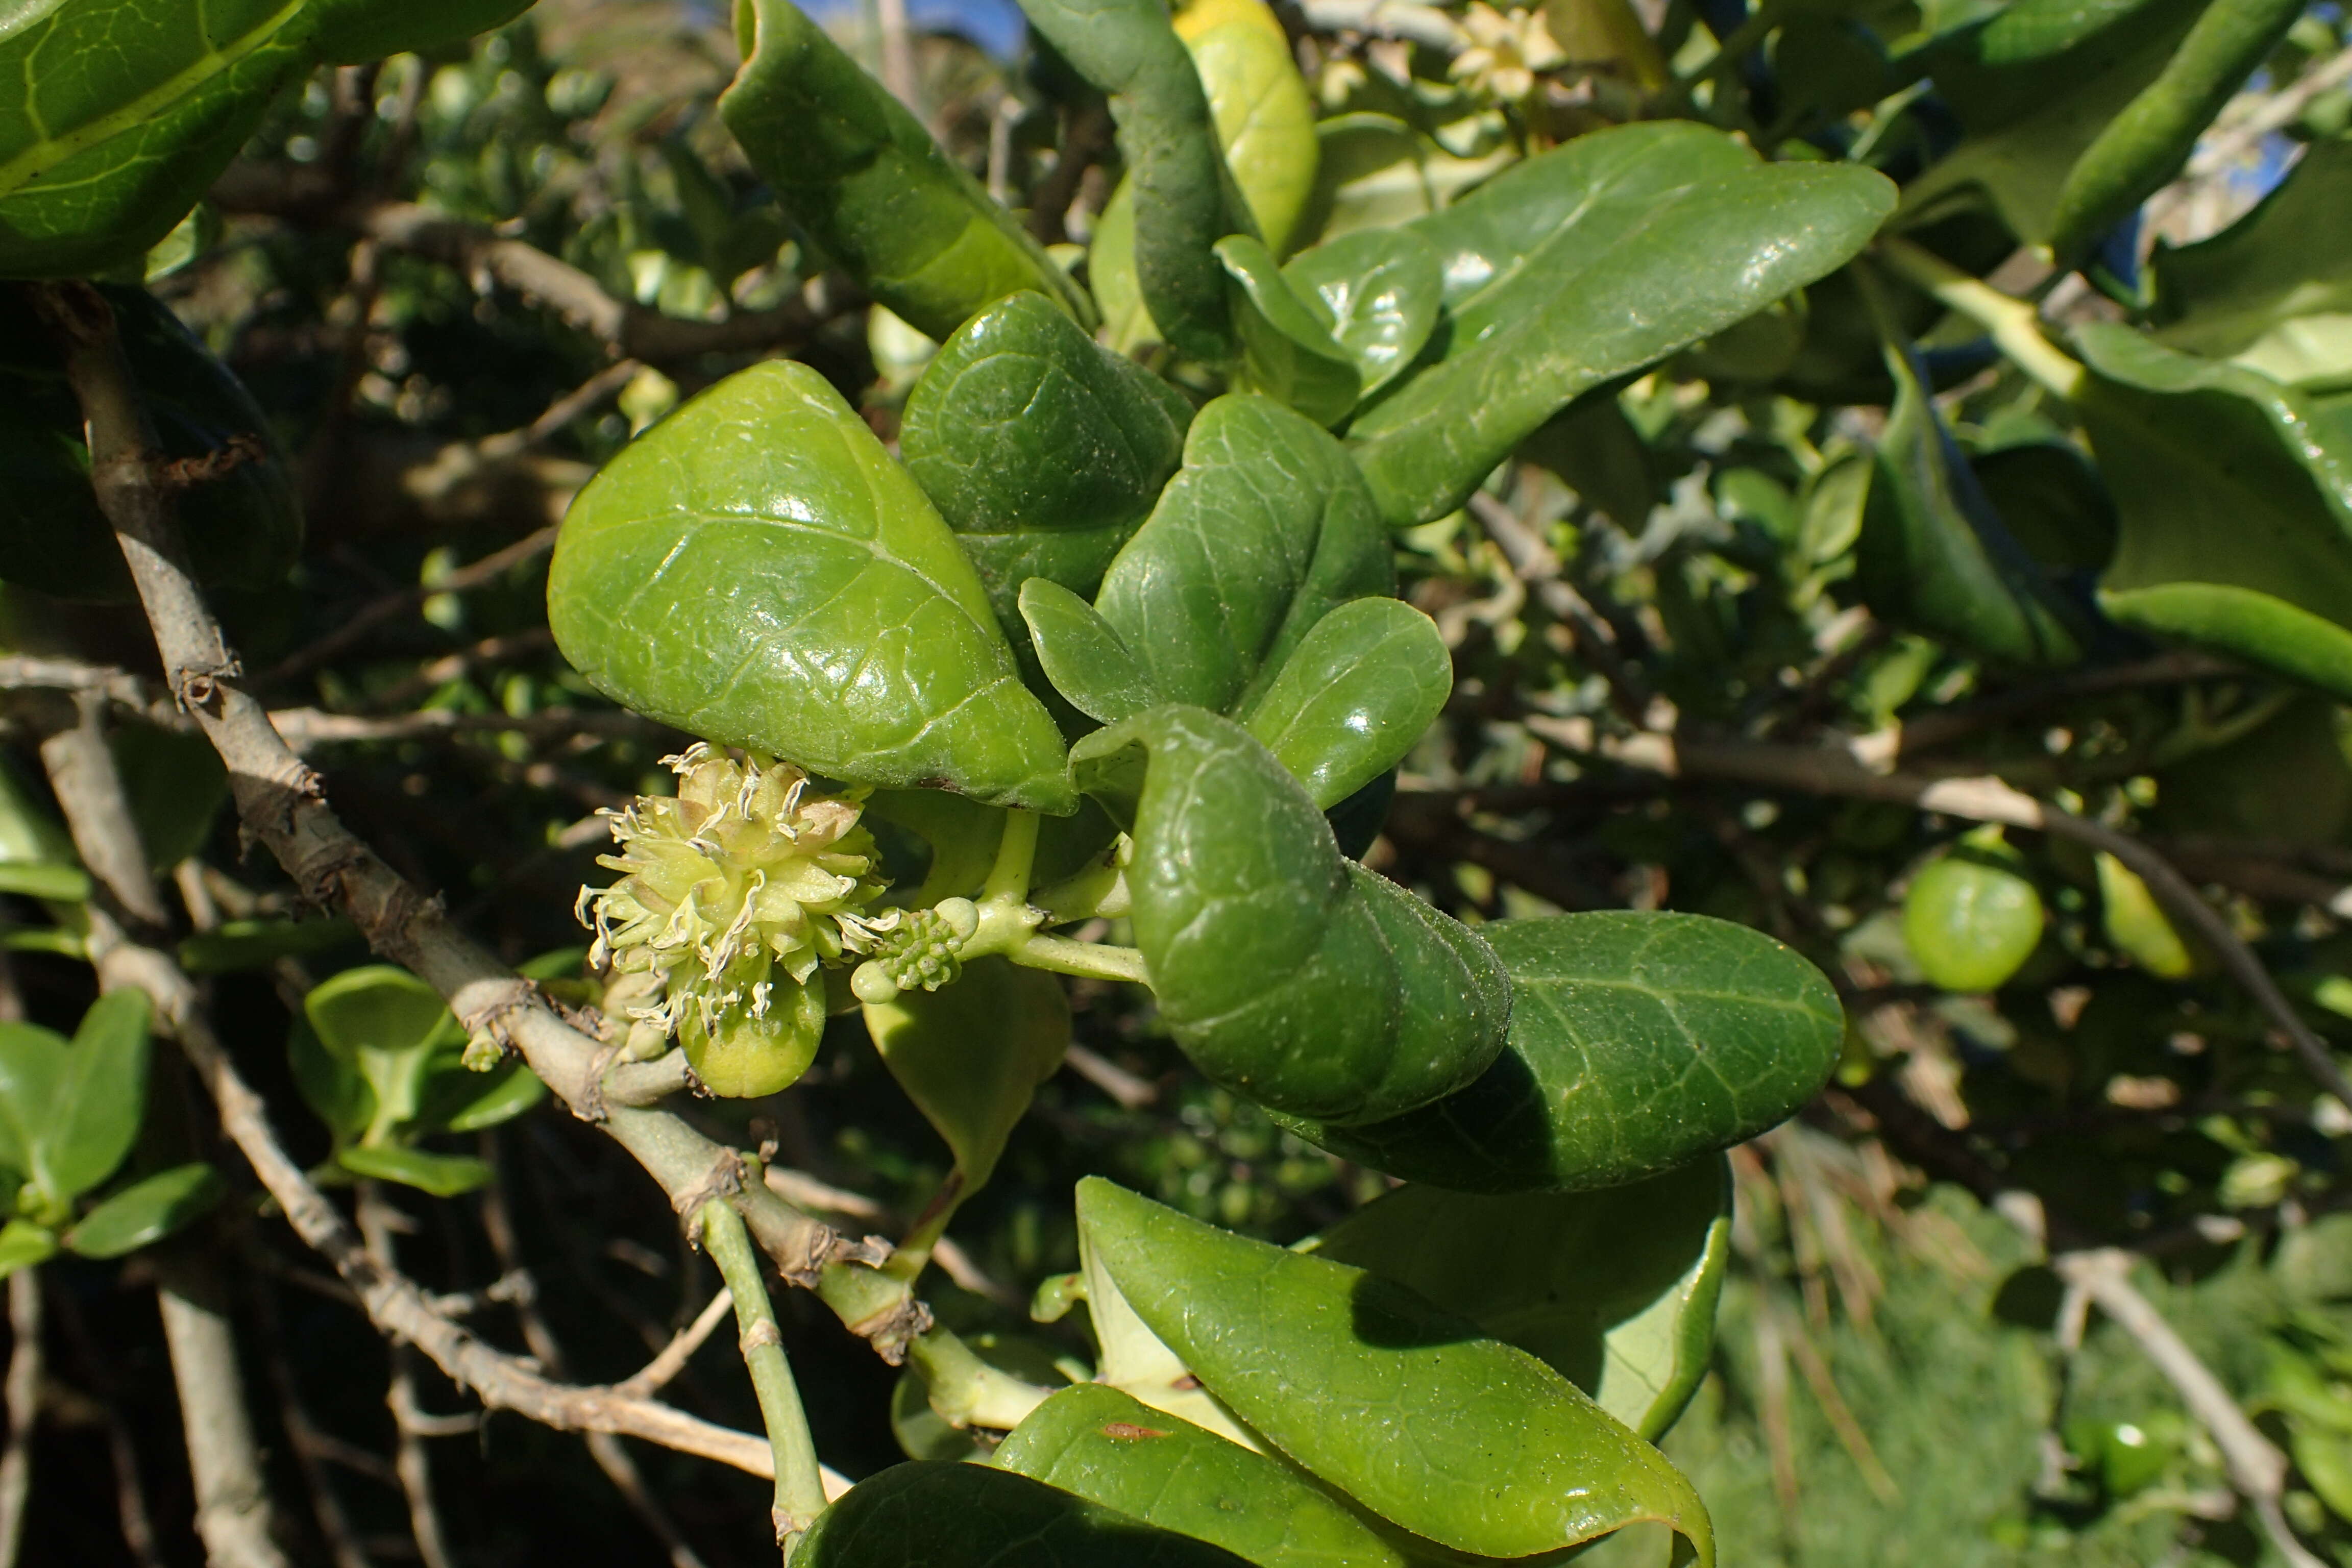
x=734, y=893
x=920, y=954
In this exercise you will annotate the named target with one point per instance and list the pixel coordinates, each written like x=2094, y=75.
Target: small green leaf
x=1086, y=659
x=354, y=32
x=1934, y=555
x=1287, y=350
x=147, y=1211
x=1184, y=195
x=1615, y=1291
x=1638, y=1042
x=1110, y=1449
x=2183, y=441
x=443, y=1176
x=864, y=177
x=330, y=1083
x=24, y=1244
x=972, y=1053
x=1588, y=263
x=51, y=884
x=1042, y=450
x=932, y=1514
x=1287, y=974
x=1382, y=289
x=1353, y=697
x=243, y=529
x=1375, y=172
x=458, y=1099
x=101, y=1098
x=123, y=111
x=2272, y=291
x=1265, y=530
x=32, y=1065
x=384, y=1022
x=755, y=570
x=1409, y=1409
x=176, y=784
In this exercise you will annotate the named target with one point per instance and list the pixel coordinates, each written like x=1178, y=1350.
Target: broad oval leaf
x=755, y=570
x=1287, y=974
x=1971, y=916
x=32, y=1064
x=1382, y=289
x=1411, y=1410
x=1110, y=1448
x=101, y=1097
x=932, y=1513
x=1260, y=106
x=1265, y=530
x=2272, y=290
x=1287, y=350
x=24, y=1244
x=243, y=529
x=1132, y=1359
x=354, y=32
x=1375, y=172
x=1638, y=1042
x=1182, y=195
x=2183, y=441
x=1589, y=263
x=1934, y=555
x=443, y=1176
x=1615, y=1291
x=858, y=171
x=1041, y=449
x=122, y=112
x=147, y=1211
x=1352, y=698
x=972, y=1053
x=457, y=1099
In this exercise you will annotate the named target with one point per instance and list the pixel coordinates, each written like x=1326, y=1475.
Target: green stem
x=1017, y=856
x=967, y=1392
x=800, y=1486
x=1095, y=961
x=2014, y=325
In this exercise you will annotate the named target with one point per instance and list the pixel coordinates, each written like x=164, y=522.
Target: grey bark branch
x=235, y=1517
x=24, y=1402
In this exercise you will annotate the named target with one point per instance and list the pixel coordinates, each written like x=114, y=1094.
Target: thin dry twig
x=24, y=1402
x=235, y=1515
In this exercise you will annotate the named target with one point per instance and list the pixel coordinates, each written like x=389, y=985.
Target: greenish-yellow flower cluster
x=733, y=895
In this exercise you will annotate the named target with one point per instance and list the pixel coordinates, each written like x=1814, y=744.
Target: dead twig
x=24, y=1402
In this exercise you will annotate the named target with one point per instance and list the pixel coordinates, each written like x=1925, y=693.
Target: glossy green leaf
x=443, y=1176
x=1287, y=974
x=100, y=1099
x=458, y=1099
x=1615, y=1291
x=1354, y=696
x=32, y=1062
x=147, y=1211
x=1041, y=449
x=2183, y=441
x=382, y=1023
x=1265, y=530
x=352, y=32
x=36, y=857
x=1374, y=172
x=1127, y=326
x=1260, y=106
x=755, y=570
x=1083, y=656
x=24, y=1244
x=1411, y=1410
x=1971, y=916
x=1381, y=291
x=243, y=528
x=1588, y=263
x=972, y=1054
x=922, y=1433
x=2273, y=291
x=331, y=1084
x=1132, y=1359
x=1933, y=554
x=2138, y=926
x=932, y=1514
x=1110, y=1449
x=865, y=179
x=122, y=112
x=1638, y=1042
x=2034, y=85
x=1287, y=350
x=2051, y=498
x=1183, y=196
x=2145, y=145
